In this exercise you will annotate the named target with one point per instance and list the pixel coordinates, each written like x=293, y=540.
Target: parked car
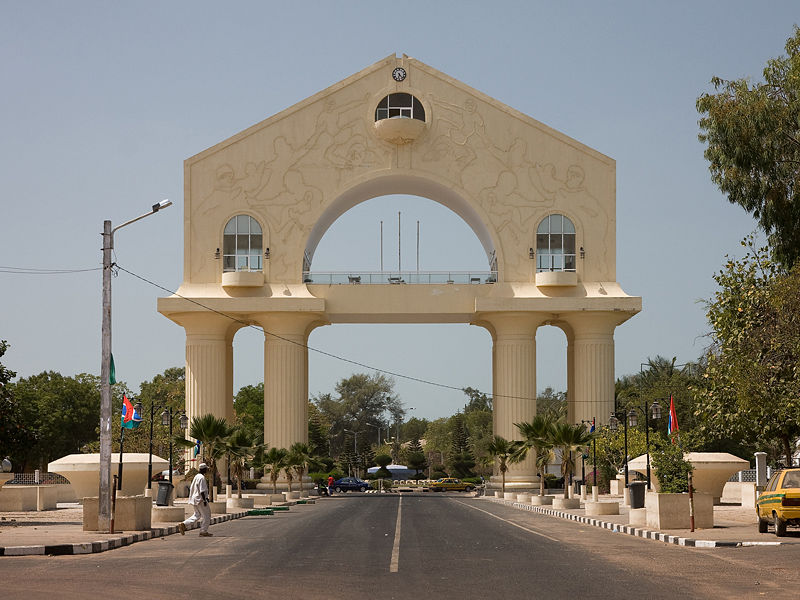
x=779, y=503
x=451, y=483
x=350, y=484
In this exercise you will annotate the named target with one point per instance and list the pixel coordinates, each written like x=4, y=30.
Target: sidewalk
x=734, y=526
x=60, y=531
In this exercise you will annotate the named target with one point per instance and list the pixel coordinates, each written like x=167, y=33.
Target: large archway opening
x=452, y=354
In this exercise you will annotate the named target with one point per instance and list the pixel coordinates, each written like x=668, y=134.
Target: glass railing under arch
x=399, y=277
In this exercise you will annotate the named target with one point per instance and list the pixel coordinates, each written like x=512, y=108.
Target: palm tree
x=211, y=432
x=506, y=452
x=301, y=459
x=289, y=463
x=539, y=436
x=569, y=438
x=276, y=459
x=238, y=448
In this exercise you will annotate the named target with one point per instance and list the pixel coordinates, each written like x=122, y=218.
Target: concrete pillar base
x=566, y=503
x=583, y=492
x=594, y=493
x=602, y=508
x=168, y=514
x=542, y=500
x=637, y=517
x=232, y=503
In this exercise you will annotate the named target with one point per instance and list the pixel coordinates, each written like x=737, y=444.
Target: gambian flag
x=131, y=418
x=672, y=424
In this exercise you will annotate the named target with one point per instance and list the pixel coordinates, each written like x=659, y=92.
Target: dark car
x=350, y=484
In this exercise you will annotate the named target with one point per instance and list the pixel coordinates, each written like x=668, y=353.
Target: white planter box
x=671, y=511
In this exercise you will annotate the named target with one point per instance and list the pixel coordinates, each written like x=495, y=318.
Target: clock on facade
x=399, y=74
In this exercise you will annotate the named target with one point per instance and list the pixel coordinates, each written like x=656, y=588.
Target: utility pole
x=104, y=493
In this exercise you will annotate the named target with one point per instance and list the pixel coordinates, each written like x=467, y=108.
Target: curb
x=635, y=531
x=110, y=544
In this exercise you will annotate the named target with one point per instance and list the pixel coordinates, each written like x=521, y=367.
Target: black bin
x=636, y=490
x=164, y=493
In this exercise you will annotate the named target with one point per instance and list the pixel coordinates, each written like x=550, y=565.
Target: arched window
x=400, y=105
x=555, y=244
x=241, y=245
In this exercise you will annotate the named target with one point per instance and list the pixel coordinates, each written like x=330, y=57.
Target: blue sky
x=103, y=101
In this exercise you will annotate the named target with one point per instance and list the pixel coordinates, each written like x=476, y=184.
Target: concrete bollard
x=594, y=493
x=583, y=492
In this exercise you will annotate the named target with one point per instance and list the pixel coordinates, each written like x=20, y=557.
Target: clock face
x=399, y=74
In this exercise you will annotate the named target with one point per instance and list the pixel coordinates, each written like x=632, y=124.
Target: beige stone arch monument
x=258, y=203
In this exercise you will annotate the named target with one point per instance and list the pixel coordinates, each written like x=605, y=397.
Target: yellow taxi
x=779, y=503
x=451, y=483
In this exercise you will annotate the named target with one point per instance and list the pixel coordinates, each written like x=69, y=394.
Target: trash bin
x=164, y=493
x=636, y=490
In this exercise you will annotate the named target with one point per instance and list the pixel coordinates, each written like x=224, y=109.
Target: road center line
x=394, y=563
x=509, y=522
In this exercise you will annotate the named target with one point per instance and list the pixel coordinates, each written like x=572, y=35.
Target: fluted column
x=207, y=351
x=514, y=384
x=594, y=365
x=286, y=377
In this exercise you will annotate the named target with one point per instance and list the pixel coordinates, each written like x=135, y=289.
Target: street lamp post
x=378, y=427
x=166, y=421
x=355, y=446
x=104, y=493
x=183, y=423
x=594, y=450
x=613, y=423
x=655, y=408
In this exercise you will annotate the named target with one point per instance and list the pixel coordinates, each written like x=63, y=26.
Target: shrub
x=475, y=480
x=672, y=470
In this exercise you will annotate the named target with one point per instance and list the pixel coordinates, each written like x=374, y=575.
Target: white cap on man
x=202, y=466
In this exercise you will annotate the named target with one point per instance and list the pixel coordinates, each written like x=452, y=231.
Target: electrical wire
x=34, y=271
x=317, y=350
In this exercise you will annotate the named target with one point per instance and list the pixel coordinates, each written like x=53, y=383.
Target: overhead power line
x=35, y=271
x=317, y=350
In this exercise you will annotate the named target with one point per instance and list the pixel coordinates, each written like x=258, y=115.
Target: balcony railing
x=399, y=277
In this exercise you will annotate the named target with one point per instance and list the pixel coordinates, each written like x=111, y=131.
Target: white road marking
x=394, y=563
x=510, y=522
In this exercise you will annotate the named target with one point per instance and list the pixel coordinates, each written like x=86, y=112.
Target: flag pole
x=121, y=441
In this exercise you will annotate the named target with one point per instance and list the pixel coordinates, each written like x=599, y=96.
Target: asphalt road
x=371, y=546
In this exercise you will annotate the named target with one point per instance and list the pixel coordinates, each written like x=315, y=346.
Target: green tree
x=670, y=467
x=302, y=460
x=750, y=390
x=238, y=449
x=212, y=432
x=16, y=435
x=413, y=429
x=318, y=431
x=553, y=404
x=477, y=400
x=359, y=405
x=62, y=412
x=275, y=459
x=383, y=460
x=166, y=390
x=506, y=452
x=568, y=439
x=753, y=147
x=248, y=408
x=416, y=461
x=539, y=436
x=610, y=448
